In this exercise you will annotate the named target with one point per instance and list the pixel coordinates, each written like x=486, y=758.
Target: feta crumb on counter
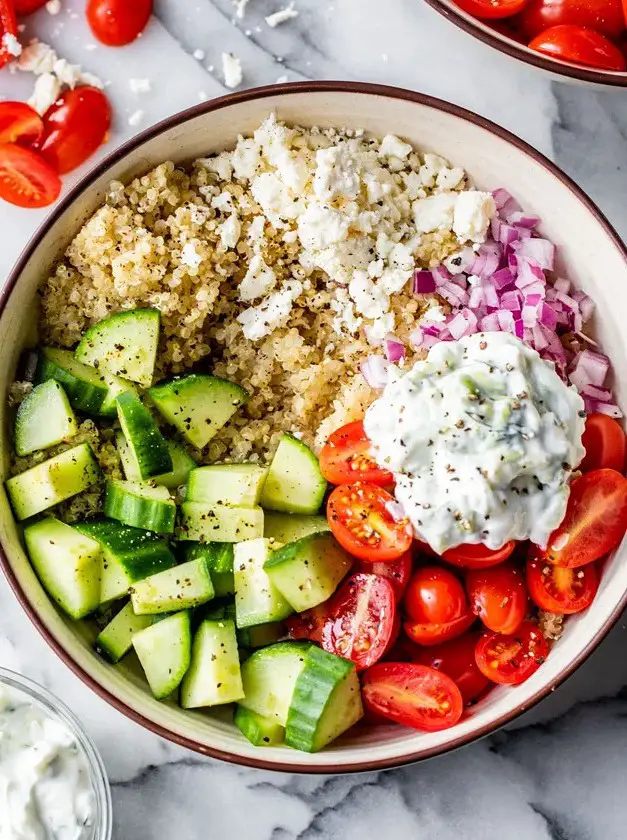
x=281, y=16
x=232, y=70
x=140, y=85
x=47, y=91
x=199, y=55
x=136, y=118
x=11, y=45
x=53, y=7
x=240, y=8
x=54, y=74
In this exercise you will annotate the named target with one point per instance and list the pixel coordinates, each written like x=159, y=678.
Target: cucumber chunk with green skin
x=68, y=564
x=53, y=481
x=115, y=641
x=129, y=555
x=260, y=731
x=288, y=527
x=44, y=418
x=325, y=703
x=140, y=505
x=220, y=523
x=214, y=677
x=294, y=483
x=269, y=676
x=198, y=405
x=148, y=446
x=219, y=560
x=116, y=387
x=227, y=484
x=182, y=463
x=164, y=650
x=261, y=635
x=185, y=586
x=124, y=344
x=308, y=571
x=257, y=600
x=85, y=387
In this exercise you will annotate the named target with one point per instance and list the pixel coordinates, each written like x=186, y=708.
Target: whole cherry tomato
x=477, y=556
x=498, y=595
x=604, y=16
x=510, y=660
x=456, y=659
x=490, y=9
x=435, y=596
x=118, y=22
x=347, y=457
x=604, y=441
x=27, y=7
x=398, y=572
x=579, y=45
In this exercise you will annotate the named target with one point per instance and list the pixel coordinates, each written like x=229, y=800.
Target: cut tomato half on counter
x=347, y=457
x=19, y=123
x=26, y=180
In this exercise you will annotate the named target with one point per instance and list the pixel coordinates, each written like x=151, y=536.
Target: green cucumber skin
x=294, y=483
x=219, y=560
x=182, y=464
x=260, y=635
x=260, y=731
x=214, y=677
x=257, y=600
x=150, y=514
x=269, y=676
x=165, y=667
x=143, y=437
x=84, y=395
x=44, y=418
x=116, y=640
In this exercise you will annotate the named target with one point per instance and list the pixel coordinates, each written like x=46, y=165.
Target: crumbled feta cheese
x=240, y=7
x=256, y=229
x=220, y=164
x=473, y=213
x=283, y=15
x=337, y=172
x=259, y=321
x=47, y=91
x=259, y=279
x=229, y=232
x=434, y=212
x=432, y=166
x=190, y=256
x=320, y=227
x=232, y=70
x=139, y=85
x=136, y=118
x=37, y=58
x=382, y=325
x=370, y=299
x=68, y=74
x=246, y=159
x=199, y=55
x=345, y=320
x=91, y=79
x=276, y=201
x=449, y=179
x=392, y=146
x=11, y=45
x=223, y=201
x=53, y=7
x=434, y=312
x=413, y=183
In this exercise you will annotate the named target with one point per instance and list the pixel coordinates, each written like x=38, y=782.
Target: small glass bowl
x=103, y=817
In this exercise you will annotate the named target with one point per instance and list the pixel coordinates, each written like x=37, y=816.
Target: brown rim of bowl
x=85, y=183
x=510, y=47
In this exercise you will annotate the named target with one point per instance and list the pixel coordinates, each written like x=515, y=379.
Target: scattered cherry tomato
x=558, y=589
x=118, y=22
x=604, y=16
x=595, y=520
x=435, y=596
x=456, y=659
x=498, y=595
x=477, y=556
x=490, y=9
x=364, y=519
x=604, y=441
x=413, y=695
x=74, y=127
x=346, y=458
x=396, y=571
x=360, y=623
x=19, y=123
x=579, y=45
x=27, y=7
x=25, y=178
x=510, y=660
x=308, y=624
x=433, y=634
x=8, y=26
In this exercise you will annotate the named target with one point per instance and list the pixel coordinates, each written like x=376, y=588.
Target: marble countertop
x=553, y=774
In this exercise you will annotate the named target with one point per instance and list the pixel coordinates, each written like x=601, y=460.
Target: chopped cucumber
x=257, y=600
x=53, y=481
x=116, y=639
x=260, y=731
x=214, y=677
x=140, y=505
x=68, y=564
x=182, y=587
x=116, y=387
x=288, y=527
x=307, y=572
x=227, y=484
x=129, y=555
x=219, y=560
x=260, y=635
x=146, y=443
x=44, y=419
x=124, y=344
x=182, y=463
x=294, y=483
x=164, y=650
x=198, y=405
x=86, y=388
x=269, y=676
x=220, y=523
x=325, y=703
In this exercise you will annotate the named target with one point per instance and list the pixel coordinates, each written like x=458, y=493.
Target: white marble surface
x=558, y=772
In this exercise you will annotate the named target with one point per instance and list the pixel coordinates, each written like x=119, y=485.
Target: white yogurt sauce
x=45, y=790
x=482, y=437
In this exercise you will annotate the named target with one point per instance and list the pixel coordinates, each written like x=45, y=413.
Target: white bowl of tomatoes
x=571, y=40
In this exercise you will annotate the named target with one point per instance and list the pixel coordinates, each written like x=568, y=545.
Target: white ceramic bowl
x=591, y=254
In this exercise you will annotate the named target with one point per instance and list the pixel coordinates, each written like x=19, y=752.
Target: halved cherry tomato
x=433, y=634
x=75, y=126
x=396, y=571
x=456, y=659
x=510, y=660
x=19, y=123
x=605, y=442
x=595, y=521
x=360, y=624
x=490, y=9
x=579, y=45
x=27, y=7
x=604, y=16
x=498, y=596
x=346, y=458
x=477, y=556
x=25, y=178
x=364, y=519
x=118, y=22
x=413, y=695
x=8, y=26
x=435, y=596
x=558, y=589
x=308, y=624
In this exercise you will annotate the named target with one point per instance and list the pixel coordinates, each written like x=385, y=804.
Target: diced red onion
x=416, y=337
x=528, y=272
x=562, y=285
x=539, y=250
x=524, y=220
x=374, y=369
x=596, y=393
x=597, y=407
x=512, y=300
x=441, y=275
x=589, y=368
x=453, y=294
x=393, y=348
x=424, y=283
x=490, y=323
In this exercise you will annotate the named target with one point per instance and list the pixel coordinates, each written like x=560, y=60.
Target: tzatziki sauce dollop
x=45, y=788
x=482, y=437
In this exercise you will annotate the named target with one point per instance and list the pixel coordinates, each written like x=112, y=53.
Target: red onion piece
x=374, y=369
x=424, y=283
x=393, y=348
